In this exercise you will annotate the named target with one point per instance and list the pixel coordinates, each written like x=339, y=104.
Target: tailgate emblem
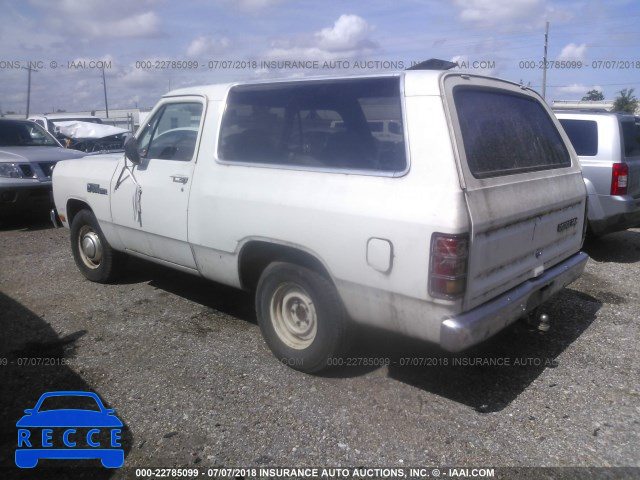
x=568, y=224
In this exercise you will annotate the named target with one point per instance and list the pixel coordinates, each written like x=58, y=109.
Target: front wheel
x=301, y=317
x=92, y=253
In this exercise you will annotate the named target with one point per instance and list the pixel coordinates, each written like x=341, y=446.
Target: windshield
x=23, y=133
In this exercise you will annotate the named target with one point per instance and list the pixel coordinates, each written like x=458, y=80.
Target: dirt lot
x=182, y=362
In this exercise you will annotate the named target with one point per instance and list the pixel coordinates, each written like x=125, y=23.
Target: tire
x=92, y=253
x=301, y=317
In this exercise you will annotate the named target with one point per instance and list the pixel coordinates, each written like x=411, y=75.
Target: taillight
x=448, y=268
x=619, y=178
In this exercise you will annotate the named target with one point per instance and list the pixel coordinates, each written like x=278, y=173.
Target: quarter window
x=316, y=124
x=631, y=137
x=583, y=135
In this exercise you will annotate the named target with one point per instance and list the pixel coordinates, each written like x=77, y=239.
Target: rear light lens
x=619, y=179
x=448, y=269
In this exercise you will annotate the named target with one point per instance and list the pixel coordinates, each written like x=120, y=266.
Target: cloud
x=135, y=79
x=253, y=6
x=256, y=4
x=491, y=12
x=349, y=32
x=507, y=15
x=578, y=88
x=573, y=52
x=348, y=37
x=113, y=19
x=142, y=25
x=204, y=44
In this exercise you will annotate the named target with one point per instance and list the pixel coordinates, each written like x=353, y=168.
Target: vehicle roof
x=62, y=116
x=14, y=120
x=423, y=82
x=579, y=111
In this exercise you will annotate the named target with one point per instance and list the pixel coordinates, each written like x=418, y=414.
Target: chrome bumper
x=477, y=325
x=53, y=215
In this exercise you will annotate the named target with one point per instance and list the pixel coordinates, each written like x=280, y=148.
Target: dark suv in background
x=28, y=154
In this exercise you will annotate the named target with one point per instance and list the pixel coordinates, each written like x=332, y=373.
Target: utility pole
x=104, y=82
x=544, y=60
x=29, y=69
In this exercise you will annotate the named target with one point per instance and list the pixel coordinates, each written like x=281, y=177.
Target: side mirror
x=131, y=150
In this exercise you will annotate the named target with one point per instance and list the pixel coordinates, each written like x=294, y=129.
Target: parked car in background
x=608, y=146
x=91, y=137
x=28, y=154
x=85, y=133
x=49, y=122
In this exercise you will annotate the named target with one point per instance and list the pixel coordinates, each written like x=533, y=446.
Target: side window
x=172, y=132
x=38, y=136
x=252, y=132
x=395, y=128
x=376, y=126
x=583, y=135
x=336, y=124
x=310, y=134
x=631, y=137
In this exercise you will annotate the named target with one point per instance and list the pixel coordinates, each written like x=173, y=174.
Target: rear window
x=325, y=124
x=505, y=134
x=631, y=134
x=583, y=135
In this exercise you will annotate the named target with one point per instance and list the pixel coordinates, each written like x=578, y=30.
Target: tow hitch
x=539, y=320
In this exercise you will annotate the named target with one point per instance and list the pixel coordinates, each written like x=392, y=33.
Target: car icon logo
x=69, y=425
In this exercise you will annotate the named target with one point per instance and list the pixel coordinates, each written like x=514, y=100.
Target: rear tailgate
x=524, y=189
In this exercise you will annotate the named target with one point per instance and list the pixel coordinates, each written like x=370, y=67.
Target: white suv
x=468, y=220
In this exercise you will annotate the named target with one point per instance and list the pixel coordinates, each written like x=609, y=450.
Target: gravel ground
x=182, y=362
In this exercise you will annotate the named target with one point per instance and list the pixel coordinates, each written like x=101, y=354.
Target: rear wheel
x=92, y=253
x=301, y=317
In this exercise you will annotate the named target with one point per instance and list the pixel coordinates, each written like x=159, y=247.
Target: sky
x=148, y=47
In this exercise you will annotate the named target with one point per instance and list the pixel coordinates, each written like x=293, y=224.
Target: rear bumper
x=470, y=328
x=609, y=214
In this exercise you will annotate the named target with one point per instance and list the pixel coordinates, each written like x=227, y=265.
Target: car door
x=149, y=201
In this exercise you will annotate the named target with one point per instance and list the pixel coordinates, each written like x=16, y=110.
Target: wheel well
x=256, y=256
x=73, y=207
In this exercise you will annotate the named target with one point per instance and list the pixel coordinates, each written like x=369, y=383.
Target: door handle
x=180, y=179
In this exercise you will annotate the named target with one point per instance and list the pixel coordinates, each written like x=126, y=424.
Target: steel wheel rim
x=90, y=247
x=293, y=315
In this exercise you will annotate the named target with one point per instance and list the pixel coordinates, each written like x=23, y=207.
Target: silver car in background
x=28, y=154
x=608, y=146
